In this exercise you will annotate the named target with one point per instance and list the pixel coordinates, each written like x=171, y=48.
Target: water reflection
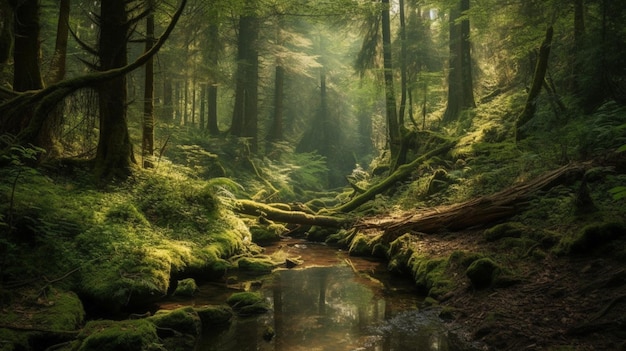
x=331, y=308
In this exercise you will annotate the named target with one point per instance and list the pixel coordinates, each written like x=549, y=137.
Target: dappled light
x=325, y=175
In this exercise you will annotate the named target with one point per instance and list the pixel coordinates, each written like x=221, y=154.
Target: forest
x=151, y=150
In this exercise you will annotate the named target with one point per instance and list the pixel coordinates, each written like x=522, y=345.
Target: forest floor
x=560, y=303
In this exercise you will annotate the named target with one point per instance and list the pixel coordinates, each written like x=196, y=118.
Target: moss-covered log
x=476, y=212
x=401, y=173
x=298, y=217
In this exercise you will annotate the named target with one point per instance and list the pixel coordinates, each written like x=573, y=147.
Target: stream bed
x=331, y=302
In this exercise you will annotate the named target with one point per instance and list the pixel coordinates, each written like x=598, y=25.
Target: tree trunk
x=114, y=155
x=460, y=82
x=213, y=60
x=244, y=120
x=403, y=67
x=6, y=32
x=26, y=69
x=390, y=95
x=168, y=107
x=275, y=214
x=147, y=140
x=276, y=131
x=538, y=79
x=202, y=120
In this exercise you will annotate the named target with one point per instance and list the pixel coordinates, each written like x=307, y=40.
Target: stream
x=331, y=302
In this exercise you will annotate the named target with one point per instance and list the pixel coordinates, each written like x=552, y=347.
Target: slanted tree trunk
x=538, y=79
x=399, y=174
x=147, y=140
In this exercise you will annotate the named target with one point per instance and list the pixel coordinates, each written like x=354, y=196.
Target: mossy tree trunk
x=538, y=80
x=390, y=95
x=114, y=155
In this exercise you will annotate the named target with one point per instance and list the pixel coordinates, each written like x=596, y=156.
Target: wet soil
x=560, y=303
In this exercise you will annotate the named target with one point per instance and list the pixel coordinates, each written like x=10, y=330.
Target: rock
x=481, y=272
x=186, y=287
x=184, y=320
x=212, y=316
x=254, y=265
x=106, y=335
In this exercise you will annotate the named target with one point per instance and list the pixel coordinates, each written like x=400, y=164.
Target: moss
x=126, y=212
x=11, y=340
x=253, y=265
x=463, y=258
x=595, y=235
x=247, y=303
x=430, y=274
x=129, y=335
x=264, y=234
x=504, y=230
x=184, y=320
x=319, y=234
x=212, y=316
x=63, y=311
x=186, y=287
x=246, y=298
x=399, y=253
x=481, y=272
x=360, y=246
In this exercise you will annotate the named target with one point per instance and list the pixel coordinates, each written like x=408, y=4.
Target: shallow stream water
x=332, y=302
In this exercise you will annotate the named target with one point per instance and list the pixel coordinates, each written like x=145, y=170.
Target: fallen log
x=254, y=208
x=399, y=174
x=475, y=212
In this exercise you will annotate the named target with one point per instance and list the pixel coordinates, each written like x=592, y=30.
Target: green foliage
x=129, y=335
x=481, y=272
x=184, y=320
x=595, y=236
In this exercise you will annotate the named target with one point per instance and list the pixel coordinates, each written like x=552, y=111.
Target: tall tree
x=390, y=95
x=26, y=71
x=114, y=155
x=57, y=67
x=147, y=139
x=460, y=82
x=245, y=112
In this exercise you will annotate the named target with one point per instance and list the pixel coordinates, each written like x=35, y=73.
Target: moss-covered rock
x=481, y=272
x=399, y=253
x=430, y=275
x=504, y=230
x=360, y=246
x=266, y=232
x=186, y=287
x=57, y=311
x=184, y=320
x=318, y=234
x=255, y=265
x=247, y=303
x=595, y=235
x=129, y=335
x=212, y=316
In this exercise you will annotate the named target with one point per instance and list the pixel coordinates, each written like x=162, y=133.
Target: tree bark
x=147, y=140
x=538, y=79
x=57, y=67
x=114, y=155
x=390, y=95
x=460, y=82
x=213, y=59
x=245, y=119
